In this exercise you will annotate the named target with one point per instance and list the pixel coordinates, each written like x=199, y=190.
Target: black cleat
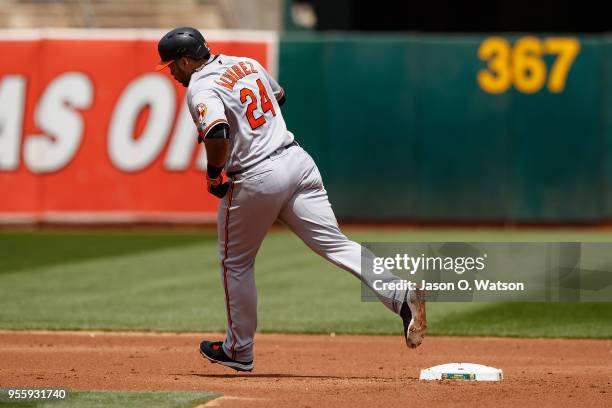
x=215, y=354
x=413, y=317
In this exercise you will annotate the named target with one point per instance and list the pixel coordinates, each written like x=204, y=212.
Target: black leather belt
x=235, y=173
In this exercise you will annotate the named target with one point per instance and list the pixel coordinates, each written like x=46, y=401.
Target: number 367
x=523, y=66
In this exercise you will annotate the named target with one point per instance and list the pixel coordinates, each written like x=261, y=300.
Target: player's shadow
x=280, y=375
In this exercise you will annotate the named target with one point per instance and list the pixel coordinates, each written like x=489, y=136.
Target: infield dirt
x=315, y=370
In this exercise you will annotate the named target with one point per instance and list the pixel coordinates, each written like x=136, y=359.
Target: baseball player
x=236, y=107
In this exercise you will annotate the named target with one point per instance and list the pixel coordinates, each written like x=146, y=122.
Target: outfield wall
x=90, y=133
x=420, y=128
x=414, y=128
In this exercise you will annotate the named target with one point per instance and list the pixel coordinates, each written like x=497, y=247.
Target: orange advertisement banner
x=88, y=132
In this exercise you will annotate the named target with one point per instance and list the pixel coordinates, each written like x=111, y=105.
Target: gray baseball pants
x=287, y=186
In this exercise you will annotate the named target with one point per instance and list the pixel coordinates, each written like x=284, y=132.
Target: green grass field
x=134, y=399
x=169, y=281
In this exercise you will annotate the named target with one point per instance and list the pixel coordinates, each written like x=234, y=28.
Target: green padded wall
x=402, y=131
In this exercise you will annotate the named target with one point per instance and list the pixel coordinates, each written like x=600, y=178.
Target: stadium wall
x=410, y=128
x=439, y=128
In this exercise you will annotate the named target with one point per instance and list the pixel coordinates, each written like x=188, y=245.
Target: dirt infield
x=313, y=371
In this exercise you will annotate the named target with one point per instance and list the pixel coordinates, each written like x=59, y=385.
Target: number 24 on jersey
x=248, y=96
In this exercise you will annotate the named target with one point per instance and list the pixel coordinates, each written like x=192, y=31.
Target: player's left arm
x=213, y=129
x=216, y=143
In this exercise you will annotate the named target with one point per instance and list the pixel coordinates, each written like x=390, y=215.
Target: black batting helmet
x=181, y=42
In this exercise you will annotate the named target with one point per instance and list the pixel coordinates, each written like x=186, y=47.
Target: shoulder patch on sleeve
x=201, y=109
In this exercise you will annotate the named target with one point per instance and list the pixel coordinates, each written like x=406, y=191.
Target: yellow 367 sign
x=523, y=66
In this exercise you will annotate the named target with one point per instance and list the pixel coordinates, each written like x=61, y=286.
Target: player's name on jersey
x=234, y=73
x=484, y=285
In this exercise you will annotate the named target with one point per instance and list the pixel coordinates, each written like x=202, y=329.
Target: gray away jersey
x=240, y=92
